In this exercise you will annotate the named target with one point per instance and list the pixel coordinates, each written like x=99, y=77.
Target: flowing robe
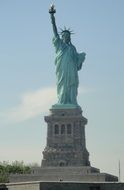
x=68, y=62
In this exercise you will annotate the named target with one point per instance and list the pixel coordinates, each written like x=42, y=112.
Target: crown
x=66, y=30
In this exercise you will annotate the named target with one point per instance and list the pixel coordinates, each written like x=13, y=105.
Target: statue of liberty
x=68, y=62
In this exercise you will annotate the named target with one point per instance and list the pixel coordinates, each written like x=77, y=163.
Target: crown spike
x=66, y=30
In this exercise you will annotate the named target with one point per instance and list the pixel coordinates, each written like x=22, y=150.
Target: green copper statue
x=68, y=62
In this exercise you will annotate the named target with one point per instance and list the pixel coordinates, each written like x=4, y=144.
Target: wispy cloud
x=32, y=104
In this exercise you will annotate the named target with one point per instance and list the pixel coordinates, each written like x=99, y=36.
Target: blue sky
x=28, y=83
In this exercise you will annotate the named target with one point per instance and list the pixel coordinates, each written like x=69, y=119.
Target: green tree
x=4, y=177
x=16, y=167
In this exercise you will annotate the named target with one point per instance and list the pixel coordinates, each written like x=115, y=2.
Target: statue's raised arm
x=52, y=11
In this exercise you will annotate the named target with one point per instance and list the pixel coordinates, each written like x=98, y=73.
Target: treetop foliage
x=16, y=167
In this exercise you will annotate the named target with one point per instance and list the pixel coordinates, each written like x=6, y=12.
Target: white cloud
x=32, y=104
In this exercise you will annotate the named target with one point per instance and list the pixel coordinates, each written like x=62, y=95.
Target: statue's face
x=66, y=37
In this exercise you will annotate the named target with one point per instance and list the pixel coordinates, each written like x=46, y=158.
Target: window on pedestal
x=56, y=129
x=62, y=129
x=69, y=129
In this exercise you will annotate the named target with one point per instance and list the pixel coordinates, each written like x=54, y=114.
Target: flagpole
x=119, y=171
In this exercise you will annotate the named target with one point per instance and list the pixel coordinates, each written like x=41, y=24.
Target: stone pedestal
x=66, y=144
x=65, y=157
